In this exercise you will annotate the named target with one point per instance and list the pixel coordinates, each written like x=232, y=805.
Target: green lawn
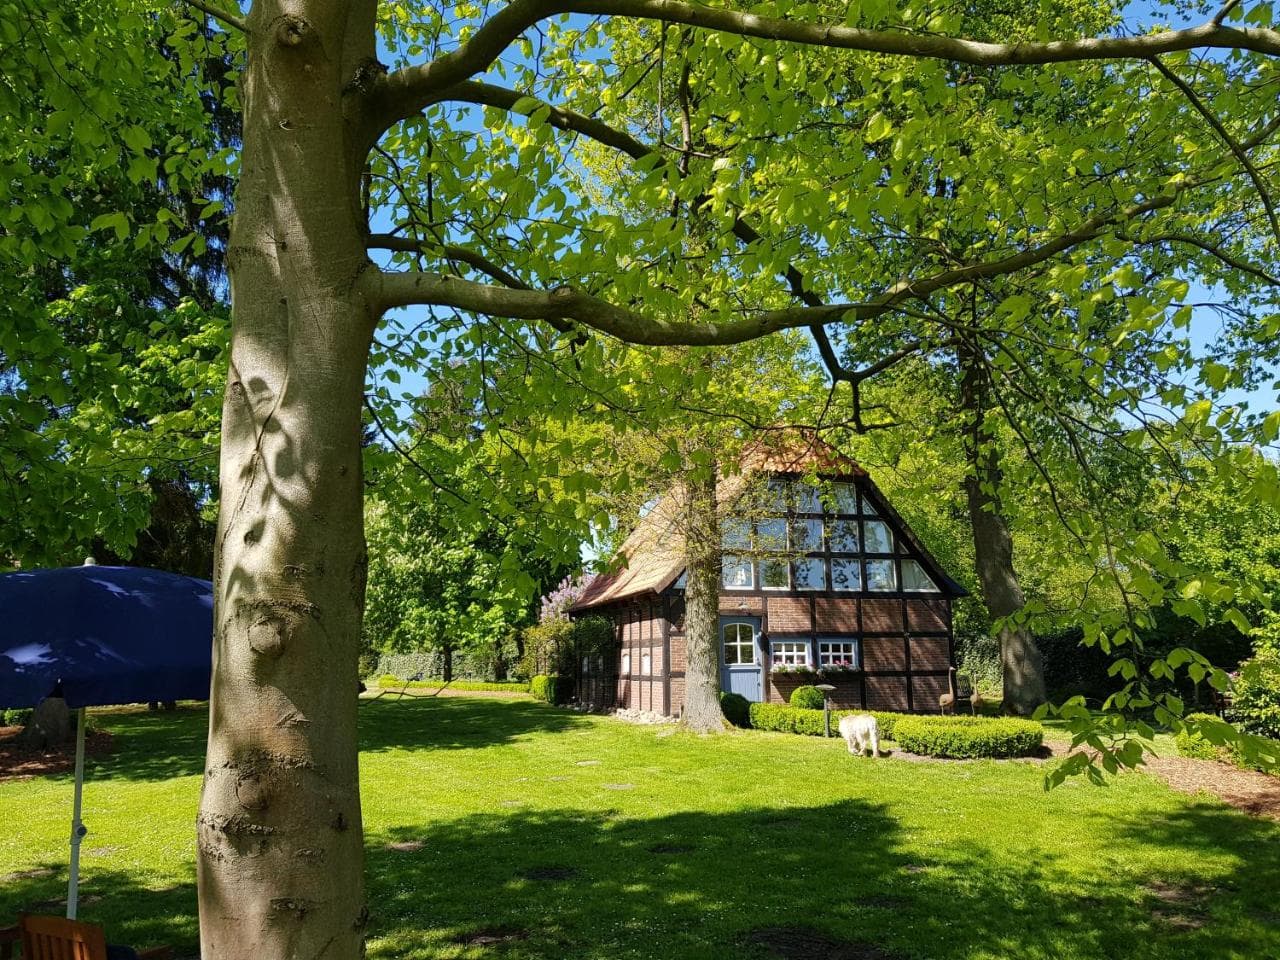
x=587, y=837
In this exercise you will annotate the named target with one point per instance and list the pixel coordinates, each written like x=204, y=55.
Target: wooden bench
x=53, y=938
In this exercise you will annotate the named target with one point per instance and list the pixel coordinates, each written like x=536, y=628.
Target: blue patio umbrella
x=102, y=635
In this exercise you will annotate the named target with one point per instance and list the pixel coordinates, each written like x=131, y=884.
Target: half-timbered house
x=822, y=582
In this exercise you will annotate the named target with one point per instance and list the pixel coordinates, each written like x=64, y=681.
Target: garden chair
x=53, y=938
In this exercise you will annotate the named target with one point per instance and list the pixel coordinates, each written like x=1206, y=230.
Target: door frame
x=756, y=624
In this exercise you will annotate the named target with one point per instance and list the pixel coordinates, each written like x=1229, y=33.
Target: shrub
x=774, y=716
x=736, y=709
x=390, y=680
x=1255, y=703
x=552, y=688
x=806, y=698
x=16, y=717
x=1199, y=747
x=968, y=737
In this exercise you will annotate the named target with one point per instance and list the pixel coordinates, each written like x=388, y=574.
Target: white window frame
x=822, y=570
x=857, y=567
x=738, y=643
x=786, y=565
x=857, y=536
x=893, y=575
x=826, y=657
x=788, y=655
x=866, y=539
x=931, y=588
x=739, y=561
x=805, y=524
x=840, y=493
x=767, y=542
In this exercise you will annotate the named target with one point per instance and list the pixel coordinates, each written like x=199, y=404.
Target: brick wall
x=836, y=615
x=789, y=615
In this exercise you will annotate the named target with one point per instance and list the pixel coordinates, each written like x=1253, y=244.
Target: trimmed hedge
x=552, y=688
x=774, y=716
x=806, y=698
x=736, y=709
x=16, y=716
x=968, y=738
x=388, y=680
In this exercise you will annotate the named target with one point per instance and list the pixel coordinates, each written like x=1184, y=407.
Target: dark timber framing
x=903, y=639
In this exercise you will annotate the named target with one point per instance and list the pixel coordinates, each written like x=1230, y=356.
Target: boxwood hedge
x=968, y=738
x=552, y=688
x=736, y=709
x=391, y=681
x=774, y=716
x=807, y=698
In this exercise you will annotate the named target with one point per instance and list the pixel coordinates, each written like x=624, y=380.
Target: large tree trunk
x=1022, y=665
x=702, y=711
x=279, y=832
x=49, y=726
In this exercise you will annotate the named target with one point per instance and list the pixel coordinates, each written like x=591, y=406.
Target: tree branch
x=1238, y=151
x=223, y=16
x=1210, y=248
x=404, y=92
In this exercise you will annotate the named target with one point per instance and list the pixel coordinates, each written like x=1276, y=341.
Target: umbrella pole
x=77, y=828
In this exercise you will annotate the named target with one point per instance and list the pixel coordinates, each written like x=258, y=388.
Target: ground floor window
x=626, y=664
x=838, y=654
x=646, y=664
x=790, y=653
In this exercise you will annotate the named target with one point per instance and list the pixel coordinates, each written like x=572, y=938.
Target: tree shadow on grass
x=833, y=882
x=457, y=723
x=131, y=913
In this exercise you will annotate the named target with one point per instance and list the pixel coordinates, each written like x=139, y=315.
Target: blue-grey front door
x=740, y=657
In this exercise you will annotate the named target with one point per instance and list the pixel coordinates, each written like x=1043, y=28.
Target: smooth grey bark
x=1022, y=666
x=702, y=711
x=279, y=844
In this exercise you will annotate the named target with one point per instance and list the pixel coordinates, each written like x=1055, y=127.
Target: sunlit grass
x=579, y=836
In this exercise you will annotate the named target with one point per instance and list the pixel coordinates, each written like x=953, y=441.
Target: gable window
x=775, y=574
x=811, y=574
x=739, y=640
x=914, y=578
x=772, y=534
x=778, y=496
x=807, y=498
x=878, y=537
x=806, y=535
x=880, y=575
x=735, y=534
x=844, y=536
x=867, y=509
x=790, y=653
x=736, y=572
x=838, y=654
x=843, y=498
x=846, y=574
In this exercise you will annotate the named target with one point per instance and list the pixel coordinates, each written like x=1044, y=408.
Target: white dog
x=860, y=732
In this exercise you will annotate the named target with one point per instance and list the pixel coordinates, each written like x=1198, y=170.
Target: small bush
x=806, y=698
x=16, y=717
x=390, y=680
x=1199, y=747
x=736, y=709
x=1194, y=745
x=552, y=688
x=1255, y=702
x=968, y=738
x=774, y=716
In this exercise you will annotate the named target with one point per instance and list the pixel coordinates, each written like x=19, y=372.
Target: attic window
x=880, y=575
x=772, y=534
x=844, y=536
x=843, y=498
x=811, y=574
x=775, y=573
x=807, y=498
x=736, y=572
x=846, y=575
x=806, y=535
x=878, y=537
x=735, y=534
x=914, y=578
